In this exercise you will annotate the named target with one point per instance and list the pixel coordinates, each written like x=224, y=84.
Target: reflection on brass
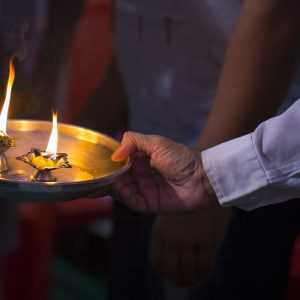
x=89, y=153
x=44, y=163
x=6, y=142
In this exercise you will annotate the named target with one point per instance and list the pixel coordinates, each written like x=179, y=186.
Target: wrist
x=207, y=187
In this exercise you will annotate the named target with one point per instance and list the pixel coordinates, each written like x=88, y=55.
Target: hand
x=165, y=176
x=183, y=246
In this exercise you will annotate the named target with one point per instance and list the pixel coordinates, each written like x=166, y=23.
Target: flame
x=53, y=140
x=4, y=112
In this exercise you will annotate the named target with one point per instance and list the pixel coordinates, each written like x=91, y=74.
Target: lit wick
x=46, y=161
x=6, y=141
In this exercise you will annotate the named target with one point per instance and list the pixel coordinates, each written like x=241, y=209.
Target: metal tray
x=89, y=153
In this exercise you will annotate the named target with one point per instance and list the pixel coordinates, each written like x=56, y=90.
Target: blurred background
x=63, y=250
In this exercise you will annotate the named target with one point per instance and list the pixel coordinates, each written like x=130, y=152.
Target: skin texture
x=258, y=68
x=165, y=176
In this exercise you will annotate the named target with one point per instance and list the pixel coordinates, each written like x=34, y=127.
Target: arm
x=257, y=169
x=258, y=68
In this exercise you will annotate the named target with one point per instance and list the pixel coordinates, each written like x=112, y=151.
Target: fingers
x=130, y=193
x=132, y=142
x=138, y=188
x=146, y=184
x=168, y=167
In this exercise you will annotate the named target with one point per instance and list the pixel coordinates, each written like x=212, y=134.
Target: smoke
x=13, y=37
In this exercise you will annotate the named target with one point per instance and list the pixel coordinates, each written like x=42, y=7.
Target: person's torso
x=170, y=55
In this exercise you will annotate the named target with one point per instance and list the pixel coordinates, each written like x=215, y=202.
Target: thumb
x=131, y=143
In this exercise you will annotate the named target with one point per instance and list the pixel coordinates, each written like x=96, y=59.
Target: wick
x=50, y=155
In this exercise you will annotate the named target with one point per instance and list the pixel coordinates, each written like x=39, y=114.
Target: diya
x=45, y=161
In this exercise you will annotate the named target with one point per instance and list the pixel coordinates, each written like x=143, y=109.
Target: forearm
x=259, y=65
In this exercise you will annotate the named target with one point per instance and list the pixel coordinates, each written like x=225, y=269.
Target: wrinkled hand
x=183, y=246
x=165, y=176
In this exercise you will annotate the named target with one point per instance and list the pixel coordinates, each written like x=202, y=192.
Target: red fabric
x=26, y=275
x=78, y=212
x=91, y=54
x=27, y=270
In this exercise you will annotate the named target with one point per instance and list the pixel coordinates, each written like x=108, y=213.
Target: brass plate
x=89, y=153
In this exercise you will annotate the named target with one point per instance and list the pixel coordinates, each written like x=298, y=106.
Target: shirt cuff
x=235, y=172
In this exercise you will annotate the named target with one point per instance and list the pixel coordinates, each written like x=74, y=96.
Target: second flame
x=4, y=112
x=53, y=140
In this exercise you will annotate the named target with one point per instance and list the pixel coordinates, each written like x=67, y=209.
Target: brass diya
x=6, y=142
x=46, y=161
x=89, y=154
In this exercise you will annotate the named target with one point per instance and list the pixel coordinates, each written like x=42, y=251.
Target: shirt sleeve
x=261, y=168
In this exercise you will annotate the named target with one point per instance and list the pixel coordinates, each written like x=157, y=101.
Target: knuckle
x=129, y=136
x=137, y=138
x=157, y=139
x=126, y=135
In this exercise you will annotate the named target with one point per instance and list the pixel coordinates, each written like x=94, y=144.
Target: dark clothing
x=131, y=274
x=253, y=261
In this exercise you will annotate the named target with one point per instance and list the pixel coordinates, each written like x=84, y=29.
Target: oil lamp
x=46, y=161
x=90, y=152
x=6, y=141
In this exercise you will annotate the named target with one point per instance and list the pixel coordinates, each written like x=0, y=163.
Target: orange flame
x=5, y=108
x=53, y=140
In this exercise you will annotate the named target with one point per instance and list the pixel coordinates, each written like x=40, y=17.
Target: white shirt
x=260, y=168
